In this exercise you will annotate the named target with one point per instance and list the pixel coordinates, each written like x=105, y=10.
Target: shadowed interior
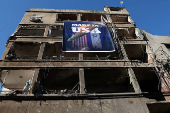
x=59, y=79
x=136, y=52
x=113, y=80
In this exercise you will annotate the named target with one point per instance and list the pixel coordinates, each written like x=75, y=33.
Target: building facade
x=38, y=77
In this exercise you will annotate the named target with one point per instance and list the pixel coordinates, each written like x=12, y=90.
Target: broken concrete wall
x=125, y=105
x=119, y=75
x=16, y=79
x=156, y=42
x=47, y=18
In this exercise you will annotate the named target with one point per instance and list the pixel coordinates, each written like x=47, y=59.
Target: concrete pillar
x=131, y=73
x=7, y=50
x=151, y=54
x=34, y=79
x=46, y=31
x=41, y=51
x=78, y=17
x=81, y=81
x=80, y=56
x=134, y=81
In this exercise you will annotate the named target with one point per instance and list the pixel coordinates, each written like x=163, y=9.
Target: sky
x=153, y=16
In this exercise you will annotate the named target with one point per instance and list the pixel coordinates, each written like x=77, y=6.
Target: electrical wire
x=161, y=78
x=9, y=24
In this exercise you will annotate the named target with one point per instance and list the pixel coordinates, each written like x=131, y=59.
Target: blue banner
x=79, y=36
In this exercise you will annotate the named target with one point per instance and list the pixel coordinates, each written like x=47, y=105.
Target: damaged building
x=37, y=76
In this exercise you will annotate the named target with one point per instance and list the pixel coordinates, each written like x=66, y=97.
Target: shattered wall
x=42, y=78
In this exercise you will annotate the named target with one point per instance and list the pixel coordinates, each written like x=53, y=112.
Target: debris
x=139, y=34
x=27, y=87
x=10, y=56
x=97, y=57
x=35, y=18
x=54, y=57
x=61, y=55
x=64, y=91
x=5, y=91
x=104, y=20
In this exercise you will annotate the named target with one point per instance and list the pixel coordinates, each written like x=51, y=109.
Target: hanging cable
x=8, y=24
